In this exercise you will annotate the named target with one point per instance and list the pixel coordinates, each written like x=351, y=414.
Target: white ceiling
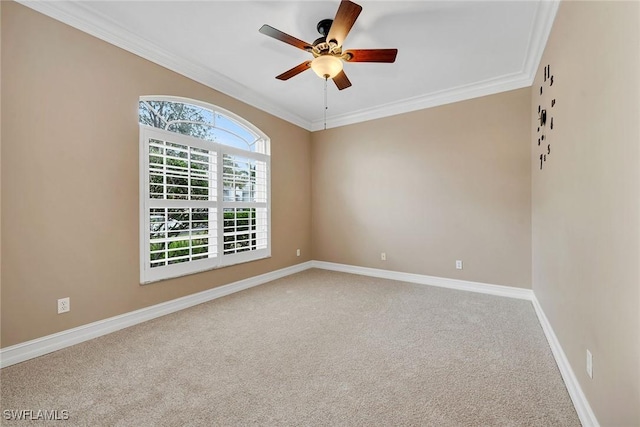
x=447, y=50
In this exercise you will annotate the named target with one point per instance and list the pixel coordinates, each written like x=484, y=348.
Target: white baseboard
x=580, y=402
x=40, y=346
x=463, y=285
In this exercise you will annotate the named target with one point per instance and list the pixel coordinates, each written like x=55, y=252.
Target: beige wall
x=586, y=217
x=70, y=179
x=428, y=188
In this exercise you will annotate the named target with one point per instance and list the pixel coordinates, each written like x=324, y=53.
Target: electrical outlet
x=589, y=364
x=458, y=265
x=297, y=252
x=383, y=256
x=64, y=305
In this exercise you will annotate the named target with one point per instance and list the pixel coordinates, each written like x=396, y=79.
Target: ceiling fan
x=327, y=50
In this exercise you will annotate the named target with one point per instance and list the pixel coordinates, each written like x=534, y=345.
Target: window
x=204, y=188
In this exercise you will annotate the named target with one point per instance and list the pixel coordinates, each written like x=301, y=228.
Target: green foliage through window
x=205, y=195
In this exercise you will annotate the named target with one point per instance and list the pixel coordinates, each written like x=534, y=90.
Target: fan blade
x=268, y=30
x=371, y=55
x=345, y=18
x=341, y=80
x=294, y=71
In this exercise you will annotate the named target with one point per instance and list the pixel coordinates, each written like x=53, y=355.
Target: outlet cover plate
x=64, y=305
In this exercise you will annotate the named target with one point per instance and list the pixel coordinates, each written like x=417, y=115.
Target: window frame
x=147, y=132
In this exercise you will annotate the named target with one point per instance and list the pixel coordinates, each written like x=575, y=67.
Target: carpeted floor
x=316, y=348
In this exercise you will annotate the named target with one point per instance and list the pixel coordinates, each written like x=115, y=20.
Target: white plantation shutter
x=204, y=204
x=244, y=204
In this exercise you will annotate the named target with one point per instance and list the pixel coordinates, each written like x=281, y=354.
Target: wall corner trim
x=50, y=343
x=462, y=285
x=580, y=402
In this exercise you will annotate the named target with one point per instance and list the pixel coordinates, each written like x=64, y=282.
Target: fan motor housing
x=324, y=26
x=320, y=45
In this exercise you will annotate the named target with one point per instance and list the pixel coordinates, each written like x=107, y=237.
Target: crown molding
x=460, y=93
x=79, y=16
x=82, y=18
x=538, y=36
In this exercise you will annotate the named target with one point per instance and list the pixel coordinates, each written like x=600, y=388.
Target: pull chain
x=325, y=102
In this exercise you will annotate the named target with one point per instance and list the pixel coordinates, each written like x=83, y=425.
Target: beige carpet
x=315, y=348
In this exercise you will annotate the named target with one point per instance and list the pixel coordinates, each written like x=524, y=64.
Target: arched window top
x=202, y=120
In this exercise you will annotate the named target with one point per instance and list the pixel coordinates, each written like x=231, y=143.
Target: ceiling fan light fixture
x=326, y=66
x=327, y=50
